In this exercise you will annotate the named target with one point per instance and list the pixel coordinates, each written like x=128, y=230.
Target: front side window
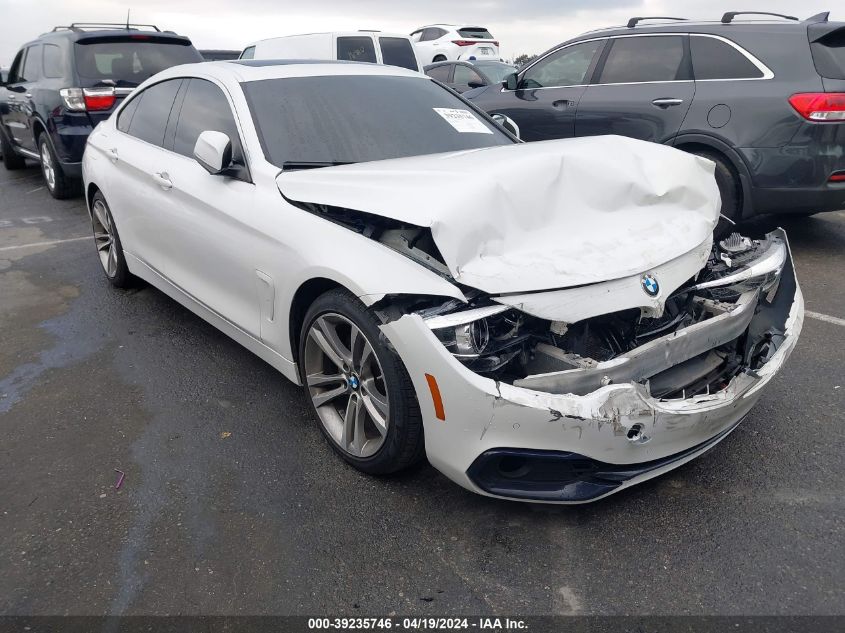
x=356, y=49
x=32, y=64
x=464, y=75
x=397, y=51
x=566, y=67
x=641, y=59
x=151, y=114
x=54, y=61
x=15, y=72
x=714, y=59
x=205, y=108
x=351, y=119
x=440, y=73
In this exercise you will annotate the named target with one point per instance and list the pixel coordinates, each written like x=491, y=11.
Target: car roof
x=246, y=70
x=716, y=27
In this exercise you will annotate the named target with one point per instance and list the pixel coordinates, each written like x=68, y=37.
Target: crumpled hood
x=535, y=216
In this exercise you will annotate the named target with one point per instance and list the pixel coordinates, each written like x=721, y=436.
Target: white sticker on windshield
x=463, y=120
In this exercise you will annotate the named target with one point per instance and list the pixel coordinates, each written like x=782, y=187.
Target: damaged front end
x=630, y=393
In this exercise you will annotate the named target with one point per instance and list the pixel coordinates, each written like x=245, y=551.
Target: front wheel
x=359, y=387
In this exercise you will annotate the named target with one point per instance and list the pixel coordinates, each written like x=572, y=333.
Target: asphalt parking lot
x=232, y=502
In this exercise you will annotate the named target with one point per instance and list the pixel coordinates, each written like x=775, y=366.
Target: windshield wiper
x=301, y=164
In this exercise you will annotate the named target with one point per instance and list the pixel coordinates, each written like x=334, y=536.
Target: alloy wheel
x=47, y=166
x=346, y=384
x=104, y=238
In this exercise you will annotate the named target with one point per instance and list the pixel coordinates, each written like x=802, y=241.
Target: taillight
x=98, y=98
x=464, y=42
x=91, y=99
x=819, y=106
x=837, y=176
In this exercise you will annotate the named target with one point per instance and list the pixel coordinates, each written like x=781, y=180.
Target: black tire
x=119, y=276
x=438, y=58
x=11, y=159
x=403, y=445
x=730, y=188
x=60, y=186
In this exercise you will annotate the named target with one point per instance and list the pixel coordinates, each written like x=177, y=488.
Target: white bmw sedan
x=550, y=321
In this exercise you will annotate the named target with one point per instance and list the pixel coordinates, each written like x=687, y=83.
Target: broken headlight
x=744, y=264
x=484, y=339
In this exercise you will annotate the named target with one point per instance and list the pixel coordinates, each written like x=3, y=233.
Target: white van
x=355, y=46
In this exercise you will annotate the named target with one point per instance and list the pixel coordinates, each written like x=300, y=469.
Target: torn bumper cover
x=580, y=434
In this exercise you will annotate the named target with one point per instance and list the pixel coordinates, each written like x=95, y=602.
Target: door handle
x=11, y=98
x=163, y=180
x=667, y=102
x=113, y=154
x=562, y=103
x=28, y=95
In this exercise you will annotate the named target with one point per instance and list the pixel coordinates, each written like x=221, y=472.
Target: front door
x=18, y=109
x=643, y=89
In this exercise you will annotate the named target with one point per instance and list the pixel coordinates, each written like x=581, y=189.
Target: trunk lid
x=535, y=216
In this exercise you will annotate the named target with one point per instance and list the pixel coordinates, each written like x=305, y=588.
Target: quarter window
x=54, y=62
x=124, y=119
x=356, y=49
x=714, y=59
x=150, y=118
x=639, y=59
x=205, y=108
x=566, y=67
x=249, y=53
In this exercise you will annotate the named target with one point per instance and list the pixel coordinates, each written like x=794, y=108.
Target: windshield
x=495, y=71
x=130, y=61
x=359, y=118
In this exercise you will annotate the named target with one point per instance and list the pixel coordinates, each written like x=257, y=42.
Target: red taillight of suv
x=819, y=106
x=90, y=99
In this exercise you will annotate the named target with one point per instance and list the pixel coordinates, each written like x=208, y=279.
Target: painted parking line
x=818, y=316
x=49, y=243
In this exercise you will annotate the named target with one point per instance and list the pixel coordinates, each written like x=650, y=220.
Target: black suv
x=61, y=85
x=764, y=99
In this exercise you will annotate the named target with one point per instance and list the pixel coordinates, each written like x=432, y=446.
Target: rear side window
x=356, y=49
x=128, y=61
x=205, y=108
x=32, y=64
x=829, y=54
x=54, y=61
x=431, y=33
x=566, y=67
x=249, y=53
x=475, y=32
x=397, y=51
x=639, y=59
x=440, y=73
x=714, y=59
x=151, y=114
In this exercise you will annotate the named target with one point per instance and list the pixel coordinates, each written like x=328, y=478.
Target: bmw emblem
x=650, y=285
x=353, y=382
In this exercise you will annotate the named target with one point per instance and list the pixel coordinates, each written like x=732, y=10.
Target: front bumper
x=618, y=428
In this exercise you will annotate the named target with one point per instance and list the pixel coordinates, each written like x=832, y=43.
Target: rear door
x=549, y=91
x=642, y=89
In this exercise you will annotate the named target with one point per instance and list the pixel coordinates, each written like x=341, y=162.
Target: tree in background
x=521, y=60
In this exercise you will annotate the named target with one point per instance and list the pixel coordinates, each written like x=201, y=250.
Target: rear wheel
x=358, y=386
x=58, y=184
x=107, y=241
x=730, y=188
x=10, y=159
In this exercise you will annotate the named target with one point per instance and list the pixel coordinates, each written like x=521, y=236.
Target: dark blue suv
x=61, y=85
x=763, y=98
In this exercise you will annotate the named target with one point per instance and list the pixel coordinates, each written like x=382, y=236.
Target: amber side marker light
x=435, y=397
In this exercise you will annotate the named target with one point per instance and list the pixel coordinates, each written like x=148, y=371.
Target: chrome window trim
x=767, y=72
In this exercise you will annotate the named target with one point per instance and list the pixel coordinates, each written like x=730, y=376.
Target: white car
x=448, y=42
x=350, y=46
x=550, y=321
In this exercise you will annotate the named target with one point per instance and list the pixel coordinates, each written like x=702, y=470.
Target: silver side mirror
x=506, y=122
x=213, y=150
